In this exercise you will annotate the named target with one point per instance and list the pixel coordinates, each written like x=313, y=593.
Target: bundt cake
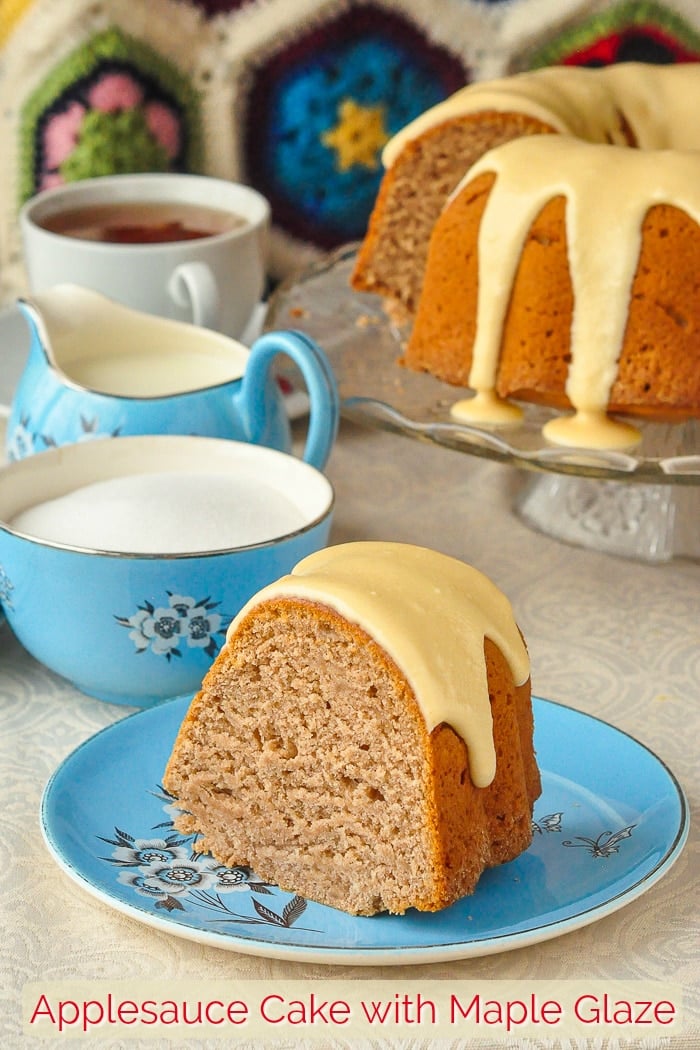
x=541, y=287
x=627, y=104
x=581, y=289
x=365, y=736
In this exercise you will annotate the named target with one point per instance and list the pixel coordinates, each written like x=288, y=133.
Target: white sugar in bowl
x=123, y=560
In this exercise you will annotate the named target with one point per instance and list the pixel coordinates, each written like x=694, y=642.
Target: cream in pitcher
x=158, y=369
x=100, y=369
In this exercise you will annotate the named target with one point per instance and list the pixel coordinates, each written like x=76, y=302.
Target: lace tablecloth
x=616, y=638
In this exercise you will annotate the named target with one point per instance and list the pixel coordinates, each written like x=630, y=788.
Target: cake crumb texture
x=306, y=757
x=392, y=257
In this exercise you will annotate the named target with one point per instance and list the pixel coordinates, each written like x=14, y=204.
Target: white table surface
x=616, y=638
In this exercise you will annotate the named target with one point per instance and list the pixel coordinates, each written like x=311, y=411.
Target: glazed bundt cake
x=365, y=737
x=628, y=104
x=540, y=286
x=562, y=266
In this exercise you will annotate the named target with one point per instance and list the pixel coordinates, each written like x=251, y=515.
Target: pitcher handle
x=324, y=402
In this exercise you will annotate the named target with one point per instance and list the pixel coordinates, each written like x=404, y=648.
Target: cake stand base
x=652, y=523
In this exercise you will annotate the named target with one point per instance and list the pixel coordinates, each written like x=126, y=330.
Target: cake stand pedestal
x=653, y=523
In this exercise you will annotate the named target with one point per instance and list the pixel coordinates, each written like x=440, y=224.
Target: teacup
x=123, y=561
x=97, y=368
x=214, y=275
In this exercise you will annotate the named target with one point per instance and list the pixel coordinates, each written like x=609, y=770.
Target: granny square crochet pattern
x=295, y=97
x=113, y=105
x=630, y=31
x=320, y=109
x=89, y=88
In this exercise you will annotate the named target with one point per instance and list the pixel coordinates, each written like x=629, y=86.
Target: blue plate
x=611, y=821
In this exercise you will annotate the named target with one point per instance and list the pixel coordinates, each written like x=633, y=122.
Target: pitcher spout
x=54, y=314
x=39, y=338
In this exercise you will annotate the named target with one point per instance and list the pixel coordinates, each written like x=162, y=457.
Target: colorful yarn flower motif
x=631, y=31
x=320, y=110
x=116, y=131
x=129, y=111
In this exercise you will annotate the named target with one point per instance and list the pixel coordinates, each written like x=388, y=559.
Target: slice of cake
x=365, y=736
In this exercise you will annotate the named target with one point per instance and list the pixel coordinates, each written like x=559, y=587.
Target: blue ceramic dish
x=135, y=628
x=610, y=823
x=98, y=369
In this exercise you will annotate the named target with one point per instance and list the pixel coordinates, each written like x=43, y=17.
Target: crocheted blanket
x=295, y=97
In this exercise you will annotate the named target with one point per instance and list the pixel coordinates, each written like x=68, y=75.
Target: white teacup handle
x=193, y=287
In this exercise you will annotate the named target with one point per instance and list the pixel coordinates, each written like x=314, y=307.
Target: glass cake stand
x=643, y=504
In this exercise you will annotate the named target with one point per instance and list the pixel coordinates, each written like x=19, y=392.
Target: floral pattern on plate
x=603, y=793
x=175, y=875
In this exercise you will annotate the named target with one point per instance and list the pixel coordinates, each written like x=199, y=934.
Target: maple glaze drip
x=431, y=614
x=625, y=104
x=530, y=172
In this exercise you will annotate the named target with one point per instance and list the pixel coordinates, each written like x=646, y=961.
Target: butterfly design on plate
x=607, y=843
x=552, y=822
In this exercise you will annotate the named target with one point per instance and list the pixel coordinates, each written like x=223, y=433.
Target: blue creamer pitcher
x=98, y=369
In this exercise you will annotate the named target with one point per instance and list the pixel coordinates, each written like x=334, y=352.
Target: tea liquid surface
x=142, y=222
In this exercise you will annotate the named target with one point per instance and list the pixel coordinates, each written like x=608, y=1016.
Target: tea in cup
x=186, y=247
x=141, y=222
